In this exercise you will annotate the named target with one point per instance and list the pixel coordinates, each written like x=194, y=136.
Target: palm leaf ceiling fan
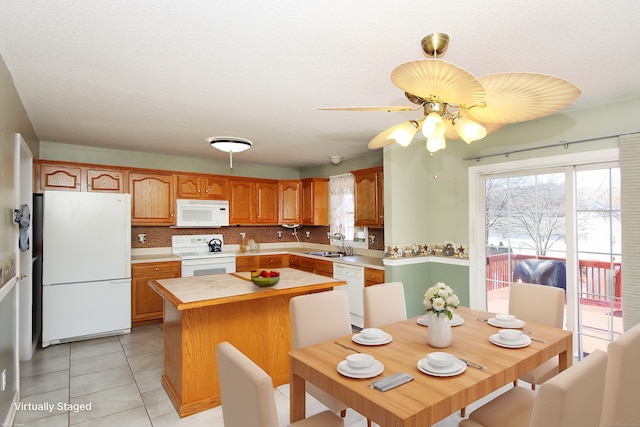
x=457, y=105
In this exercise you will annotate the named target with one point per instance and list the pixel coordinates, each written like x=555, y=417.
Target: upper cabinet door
x=189, y=187
x=267, y=202
x=106, y=181
x=216, y=188
x=290, y=202
x=153, y=200
x=58, y=177
x=368, y=197
x=241, y=202
x=315, y=201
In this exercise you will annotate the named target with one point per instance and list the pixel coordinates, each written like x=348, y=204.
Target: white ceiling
x=164, y=75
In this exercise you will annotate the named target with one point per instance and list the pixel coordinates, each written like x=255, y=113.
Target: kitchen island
x=202, y=311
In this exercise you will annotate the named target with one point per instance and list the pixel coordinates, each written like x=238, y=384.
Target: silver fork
x=473, y=365
x=347, y=347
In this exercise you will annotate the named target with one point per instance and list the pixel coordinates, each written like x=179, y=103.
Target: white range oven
x=202, y=254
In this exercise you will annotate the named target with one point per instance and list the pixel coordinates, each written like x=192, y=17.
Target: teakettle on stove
x=215, y=245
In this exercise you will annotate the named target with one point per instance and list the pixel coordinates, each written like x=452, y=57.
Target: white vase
x=439, y=334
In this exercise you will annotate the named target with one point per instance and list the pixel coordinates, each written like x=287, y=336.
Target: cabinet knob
x=156, y=268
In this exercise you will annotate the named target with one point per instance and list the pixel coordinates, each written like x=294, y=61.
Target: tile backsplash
x=159, y=237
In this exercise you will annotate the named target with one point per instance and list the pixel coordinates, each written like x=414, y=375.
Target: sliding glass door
x=561, y=228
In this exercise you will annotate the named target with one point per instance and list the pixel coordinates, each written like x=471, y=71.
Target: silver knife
x=347, y=347
x=473, y=365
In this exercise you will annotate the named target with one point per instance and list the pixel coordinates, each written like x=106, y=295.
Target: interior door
x=28, y=333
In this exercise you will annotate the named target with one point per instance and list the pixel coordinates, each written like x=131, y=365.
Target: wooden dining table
x=426, y=399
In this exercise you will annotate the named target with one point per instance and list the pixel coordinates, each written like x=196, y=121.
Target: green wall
x=417, y=278
x=106, y=156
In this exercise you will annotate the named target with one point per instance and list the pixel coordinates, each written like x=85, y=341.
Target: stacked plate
x=505, y=321
x=455, y=321
x=455, y=368
x=523, y=341
x=372, y=336
x=373, y=370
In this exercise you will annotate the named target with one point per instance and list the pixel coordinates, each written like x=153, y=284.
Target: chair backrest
x=319, y=317
x=383, y=304
x=245, y=389
x=622, y=389
x=537, y=303
x=574, y=396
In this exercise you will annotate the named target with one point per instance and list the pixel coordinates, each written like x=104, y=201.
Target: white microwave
x=202, y=213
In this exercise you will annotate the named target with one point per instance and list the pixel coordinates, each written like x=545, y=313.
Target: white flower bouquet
x=440, y=299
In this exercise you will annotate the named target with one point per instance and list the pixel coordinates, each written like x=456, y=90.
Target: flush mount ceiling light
x=457, y=105
x=335, y=159
x=230, y=144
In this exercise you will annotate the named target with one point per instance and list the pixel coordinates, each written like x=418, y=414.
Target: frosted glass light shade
x=404, y=133
x=436, y=143
x=433, y=125
x=469, y=130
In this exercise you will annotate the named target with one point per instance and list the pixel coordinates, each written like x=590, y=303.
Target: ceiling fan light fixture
x=403, y=134
x=436, y=143
x=433, y=125
x=469, y=130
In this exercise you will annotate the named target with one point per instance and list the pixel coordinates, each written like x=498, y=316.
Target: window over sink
x=342, y=213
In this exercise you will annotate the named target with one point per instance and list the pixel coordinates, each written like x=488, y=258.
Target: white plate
x=455, y=321
x=384, y=339
x=458, y=367
x=516, y=324
x=370, y=372
x=522, y=342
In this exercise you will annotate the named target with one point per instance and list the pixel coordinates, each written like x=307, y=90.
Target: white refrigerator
x=86, y=271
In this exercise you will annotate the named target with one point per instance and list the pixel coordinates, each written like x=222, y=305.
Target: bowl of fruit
x=265, y=277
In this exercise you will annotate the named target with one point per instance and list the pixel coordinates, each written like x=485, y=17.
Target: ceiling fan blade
x=435, y=79
x=388, y=109
x=518, y=97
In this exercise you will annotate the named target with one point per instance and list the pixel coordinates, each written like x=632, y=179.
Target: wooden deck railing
x=594, y=276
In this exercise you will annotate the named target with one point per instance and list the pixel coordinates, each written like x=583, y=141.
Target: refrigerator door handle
x=121, y=280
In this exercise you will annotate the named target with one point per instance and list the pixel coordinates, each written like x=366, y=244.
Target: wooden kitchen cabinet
x=146, y=304
x=311, y=265
x=57, y=177
x=267, y=202
x=273, y=261
x=315, y=201
x=106, y=180
x=247, y=263
x=63, y=176
x=373, y=276
x=289, y=201
x=253, y=202
x=202, y=187
x=152, y=199
x=369, y=197
x=261, y=262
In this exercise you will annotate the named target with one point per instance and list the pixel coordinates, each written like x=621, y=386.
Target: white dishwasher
x=354, y=276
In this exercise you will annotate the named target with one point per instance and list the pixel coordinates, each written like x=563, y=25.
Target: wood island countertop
x=201, y=311
x=201, y=291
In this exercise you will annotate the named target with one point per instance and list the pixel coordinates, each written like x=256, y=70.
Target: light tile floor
x=117, y=379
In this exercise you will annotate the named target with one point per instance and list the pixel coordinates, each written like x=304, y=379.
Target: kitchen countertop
x=164, y=254
x=200, y=291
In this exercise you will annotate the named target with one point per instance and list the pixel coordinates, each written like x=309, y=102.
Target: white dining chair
x=621, y=404
x=247, y=395
x=539, y=304
x=383, y=304
x=315, y=318
x=571, y=398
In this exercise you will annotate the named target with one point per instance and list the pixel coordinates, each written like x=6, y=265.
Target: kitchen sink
x=327, y=254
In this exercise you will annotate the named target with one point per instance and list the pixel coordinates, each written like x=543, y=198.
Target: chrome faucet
x=341, y=237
